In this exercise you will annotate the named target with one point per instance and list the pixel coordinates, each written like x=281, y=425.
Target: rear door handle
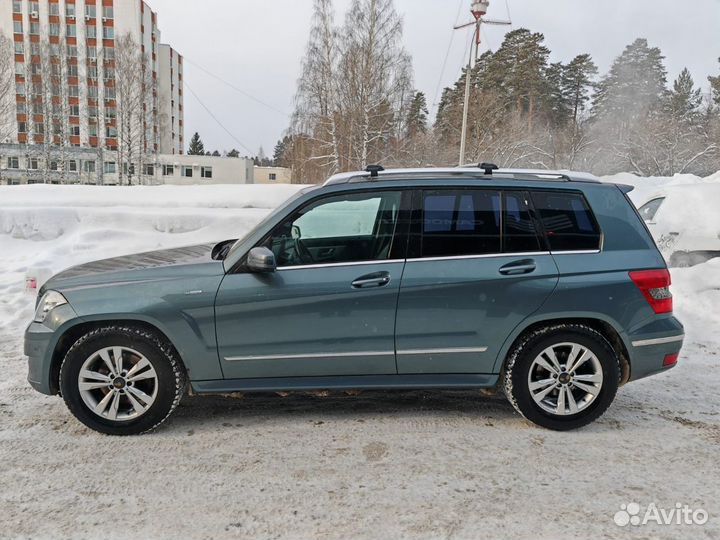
x=378, y=279
x=516, y=268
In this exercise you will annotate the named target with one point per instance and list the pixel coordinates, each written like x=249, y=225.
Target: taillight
x=655, y=286
x=670, y=359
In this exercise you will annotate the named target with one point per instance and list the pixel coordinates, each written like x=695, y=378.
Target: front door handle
x=516, y=268
x=378, y=279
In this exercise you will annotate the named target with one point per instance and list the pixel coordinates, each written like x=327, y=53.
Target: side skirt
x=361, y=382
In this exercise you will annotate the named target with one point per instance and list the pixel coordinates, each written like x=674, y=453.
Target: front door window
x=341, y=229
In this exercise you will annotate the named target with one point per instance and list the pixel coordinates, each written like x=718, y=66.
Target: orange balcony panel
x=74, y=139
x=22, y=137
x=108, y=42
x=74, y=120
x=39, y=139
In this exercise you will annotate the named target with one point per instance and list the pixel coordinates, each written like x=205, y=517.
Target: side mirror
x=261, y=260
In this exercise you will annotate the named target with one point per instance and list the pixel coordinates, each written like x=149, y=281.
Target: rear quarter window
x=567, y=220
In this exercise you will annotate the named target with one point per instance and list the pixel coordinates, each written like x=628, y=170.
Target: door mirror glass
x=261, y=260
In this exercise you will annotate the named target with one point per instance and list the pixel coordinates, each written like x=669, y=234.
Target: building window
x=13, y=163
x=108, y=32
x=17, y=27
x=74, y=110
x=37, y=107
x=72, y=165
x=75, y=130
x=110, y=112
x=35, y=68
x=187, y=171
x=92, y=72
x=19, y=68
x=168, y=170
x=22, y=127
x=73, y=90
x=111, y=131
x=20, y=88
x=90, y=11
x=109, y=167
x=21, y=108
x=91, y=30
x=108, y=53
x=110, y=92
x=69, y=10
x=54, y=29
x=273, y=176
x=149, y=169
x=54, y=8
x=92, y=91
x=108, y=12
x=34, y=29
x=19, y=48
x=72, y=70
x=91, y=52
x=54, y=166
x=71, y=30
x=17, y=6
x=206, y=172
x=89, y=166
x=109, y=74
x=33, y=164
x=72, y=51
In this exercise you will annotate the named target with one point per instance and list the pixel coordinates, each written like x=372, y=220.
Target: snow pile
x=648, y=187
x=47, y=228
x=696, y=297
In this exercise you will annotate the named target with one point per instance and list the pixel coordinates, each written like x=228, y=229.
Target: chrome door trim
x=330, y=265
x=485, y=256
x=309, y=355
x=455, y=350
x=658, y=341
x=576, y=252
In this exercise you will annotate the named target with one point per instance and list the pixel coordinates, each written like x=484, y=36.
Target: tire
x=527, y=364
x=136, y=399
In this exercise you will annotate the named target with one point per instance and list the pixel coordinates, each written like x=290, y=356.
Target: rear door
x=476, y=268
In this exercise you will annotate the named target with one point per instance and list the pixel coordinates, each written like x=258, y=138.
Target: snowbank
x=647, y=187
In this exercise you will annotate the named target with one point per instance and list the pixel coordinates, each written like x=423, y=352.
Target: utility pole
x=478, y=9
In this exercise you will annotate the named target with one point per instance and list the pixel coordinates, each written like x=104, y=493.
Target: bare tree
x=7, y=88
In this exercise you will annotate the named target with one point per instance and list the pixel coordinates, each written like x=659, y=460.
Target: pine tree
x=196, y=146
x=578, y=83
x=417, y=117
x=715, y=86
x=234, y=153
x=684, y=99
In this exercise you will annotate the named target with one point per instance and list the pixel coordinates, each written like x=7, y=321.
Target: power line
x=219, y=123
x=239, y=90
x=447, y=54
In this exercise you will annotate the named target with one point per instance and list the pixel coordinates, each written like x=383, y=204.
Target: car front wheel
x=563, y=376
x=121, y=380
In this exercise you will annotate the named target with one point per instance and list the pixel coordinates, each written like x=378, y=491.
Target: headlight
x=48, y=302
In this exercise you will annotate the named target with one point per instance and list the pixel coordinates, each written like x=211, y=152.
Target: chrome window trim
x=329, y=265
x=484, y=256
x=310, y=355
x=456, y=350
x=658, y=341
x=577, y=252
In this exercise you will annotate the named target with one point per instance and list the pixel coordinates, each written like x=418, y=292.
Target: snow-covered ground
x=413, y=464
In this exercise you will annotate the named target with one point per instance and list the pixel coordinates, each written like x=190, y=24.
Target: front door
x=330, y=307
x=476, y=268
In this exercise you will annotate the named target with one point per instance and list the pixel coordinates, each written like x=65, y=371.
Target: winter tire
x=562, y=377
x=121, y=380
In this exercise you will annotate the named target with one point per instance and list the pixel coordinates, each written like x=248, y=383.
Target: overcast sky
x=257, y=46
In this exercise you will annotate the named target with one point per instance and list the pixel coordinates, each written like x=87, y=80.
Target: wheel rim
x=118, y=383
x=565, y=379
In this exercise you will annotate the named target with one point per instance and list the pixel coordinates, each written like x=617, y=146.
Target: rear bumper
x=651, y=344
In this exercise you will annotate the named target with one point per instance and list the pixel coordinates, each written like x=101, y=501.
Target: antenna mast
x=478, y=9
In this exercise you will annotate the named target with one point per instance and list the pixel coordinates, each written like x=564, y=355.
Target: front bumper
x=40, y=342
x=650, y=344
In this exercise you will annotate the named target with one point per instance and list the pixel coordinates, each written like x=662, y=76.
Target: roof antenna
x=489, y=168
x=374, y=170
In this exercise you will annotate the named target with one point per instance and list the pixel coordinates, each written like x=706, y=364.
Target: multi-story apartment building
x=68, y=83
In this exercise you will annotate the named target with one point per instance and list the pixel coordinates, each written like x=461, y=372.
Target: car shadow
x=259, y=407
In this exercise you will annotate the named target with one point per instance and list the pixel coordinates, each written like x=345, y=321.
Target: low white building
x=187, y=169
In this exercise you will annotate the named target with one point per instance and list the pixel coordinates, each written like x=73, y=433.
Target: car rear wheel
x=121, y=380
x=563, y=376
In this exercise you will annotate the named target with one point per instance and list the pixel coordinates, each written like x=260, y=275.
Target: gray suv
x=546, y=285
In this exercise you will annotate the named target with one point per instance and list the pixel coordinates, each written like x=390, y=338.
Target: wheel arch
x=75, y=332
x=604, y=327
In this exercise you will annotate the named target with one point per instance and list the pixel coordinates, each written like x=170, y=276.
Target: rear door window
x=649, y=209
x=460, y=222
x=568, y=221
x=519, y=232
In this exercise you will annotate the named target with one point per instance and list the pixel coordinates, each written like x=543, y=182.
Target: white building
x=83, y=35
x=190, y=169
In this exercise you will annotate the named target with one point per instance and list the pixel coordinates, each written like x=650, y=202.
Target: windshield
x=269, y=217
